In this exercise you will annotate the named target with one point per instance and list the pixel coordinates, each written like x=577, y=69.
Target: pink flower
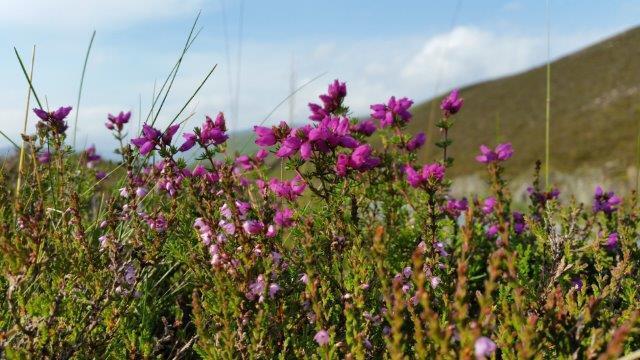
x=284, y=217
x=394, y=112
x=322, y=337
x=264, y=136
x=488, y=205
x=484, y=347
x=252, y=227
x=501, y=153
x=451, y=104
x=342, y=165
x=416, y=142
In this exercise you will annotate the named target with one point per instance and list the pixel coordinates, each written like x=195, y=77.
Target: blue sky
x=380, y=48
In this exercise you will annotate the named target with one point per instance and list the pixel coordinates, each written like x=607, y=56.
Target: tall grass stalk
x=548, y=101
x=24, y=127
x=84, y=69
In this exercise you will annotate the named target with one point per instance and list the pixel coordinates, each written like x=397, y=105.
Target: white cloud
x=98, y=13
x=468, y=54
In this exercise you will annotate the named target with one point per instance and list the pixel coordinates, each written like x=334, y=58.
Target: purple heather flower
x=252, y=227
x=44, y=157
x=430, y=174
x=484, y=347
x=541, y=197
x=367, y=127
x=189, y=141
x=271, y=231
x=612, y=241
x=395, y=111
x=288, y=189
x=256, y=289
x=488, y=205
x=416, y=142
x=492, y=230
x=519, y=224
x=91, y=157
x=433, y=172
x=261, y=155
x=331, y=101
x=273, y=290
x=342, y=165
x=451, y=104
x=284, y=217
x=54, y=119
x=117, y=121
x=100, y=175
x=435, y=281
x=264, y=136
x=147, y=142
x=130, y=274
x=407, y=271
x=290, y=145
x=322, y=337
x=606, y=202
x=456, y=207
x=576, y=283
x=502, y=152
x=361, y=158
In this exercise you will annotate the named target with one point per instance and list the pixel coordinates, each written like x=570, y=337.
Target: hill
x=595, y=98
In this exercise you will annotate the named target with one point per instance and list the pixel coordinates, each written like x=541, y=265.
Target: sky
x=265, y=49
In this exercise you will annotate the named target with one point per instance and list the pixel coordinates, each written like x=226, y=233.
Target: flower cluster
x=53, y=120
x=211, y=133
x=116, y=122
x=606, y=202
x=430, y=174
x=394, y=112
x=502, y=152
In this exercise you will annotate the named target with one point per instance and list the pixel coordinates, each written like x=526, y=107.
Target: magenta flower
x=519, y=224
x=361, y=158
x=44, y=157
x=342, y=165
x=264, y=136
x=416, y=142
x=331, y=101
x=257, y=288
x=501, y=153
x=484, y=347
x=456, y=207
x=288, y=189
x=612, y=241
x=117, y=121
x=433, y=172
x=488, y=205
x=55, y=119
x=492, y=230
x=273, y=290
x=322, y=337
x=284, y=217
x=430, y=174
x=92, y=158
x=606, y=202
x=252, y=227
x=451, y=104
x=211, y=133
x=394, y=112
x=149, y=139
x=367, y=127
x=190, y=141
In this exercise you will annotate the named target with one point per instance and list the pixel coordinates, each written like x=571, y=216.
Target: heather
x=336, y=239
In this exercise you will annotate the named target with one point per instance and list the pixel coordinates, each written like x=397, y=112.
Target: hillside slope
x=595, y=98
